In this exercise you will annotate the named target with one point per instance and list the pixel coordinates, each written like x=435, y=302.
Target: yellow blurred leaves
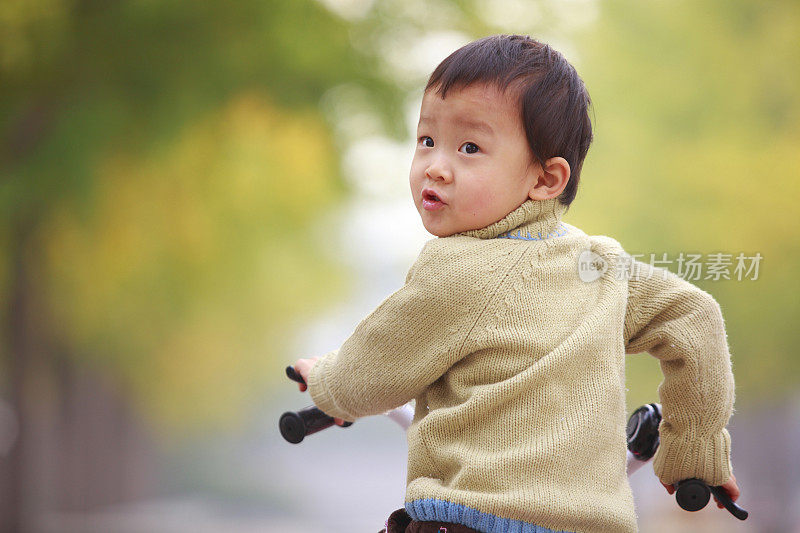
x=697, y=127
x=175, y=278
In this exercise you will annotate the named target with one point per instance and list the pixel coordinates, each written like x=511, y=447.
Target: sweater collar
x=533, y=220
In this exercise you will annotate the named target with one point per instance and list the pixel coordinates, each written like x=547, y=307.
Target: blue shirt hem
x=432, y=510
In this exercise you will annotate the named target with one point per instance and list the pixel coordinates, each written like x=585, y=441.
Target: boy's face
x=472, y=165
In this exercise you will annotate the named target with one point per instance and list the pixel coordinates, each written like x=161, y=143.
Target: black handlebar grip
x=693, y=494
x=294, y=375
x=729, y=504
x=295, y=426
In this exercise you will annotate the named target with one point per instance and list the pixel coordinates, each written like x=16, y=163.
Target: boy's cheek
x=416, y=184
x=415, y=174
x=418, y=165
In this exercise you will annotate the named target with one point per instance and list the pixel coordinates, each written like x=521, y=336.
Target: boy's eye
x=469, y=148
x=426, y=141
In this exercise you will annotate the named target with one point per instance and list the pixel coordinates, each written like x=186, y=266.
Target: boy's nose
x=439, y=170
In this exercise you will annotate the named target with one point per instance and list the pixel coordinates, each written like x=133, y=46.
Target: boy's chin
x=439, y=231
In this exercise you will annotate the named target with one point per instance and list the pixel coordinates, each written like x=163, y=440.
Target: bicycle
x=642, y=434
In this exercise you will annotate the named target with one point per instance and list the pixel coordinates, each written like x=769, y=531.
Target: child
x=515, y=356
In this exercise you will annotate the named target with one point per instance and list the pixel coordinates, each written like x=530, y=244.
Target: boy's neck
x=533, y=220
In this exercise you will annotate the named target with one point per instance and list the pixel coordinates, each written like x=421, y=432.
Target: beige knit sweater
x=517, y=367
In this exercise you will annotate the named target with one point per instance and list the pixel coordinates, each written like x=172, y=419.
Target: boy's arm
x=682, y=326
x=407, y=343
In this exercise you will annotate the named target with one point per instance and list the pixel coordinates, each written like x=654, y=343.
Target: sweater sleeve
x=405, y=344
x=682, y=326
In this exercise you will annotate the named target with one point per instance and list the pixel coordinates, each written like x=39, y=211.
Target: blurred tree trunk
x=22, y=341
x=22, y=491
x=105, y=456
x=79, y=444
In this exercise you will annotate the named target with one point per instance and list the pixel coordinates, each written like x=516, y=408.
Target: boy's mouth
x=431, y=200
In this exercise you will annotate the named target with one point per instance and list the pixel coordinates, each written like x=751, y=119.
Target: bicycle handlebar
x=643, y=440
x=294, y=375
x=691, y=494
x=296, y=425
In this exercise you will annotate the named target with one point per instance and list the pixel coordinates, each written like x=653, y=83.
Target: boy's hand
x=729, y=486
x=303, y=367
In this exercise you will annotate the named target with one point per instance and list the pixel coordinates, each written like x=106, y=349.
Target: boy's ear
x=550, y=180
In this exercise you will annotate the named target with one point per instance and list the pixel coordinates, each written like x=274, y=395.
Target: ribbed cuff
x=682, y=458
x=320, y=394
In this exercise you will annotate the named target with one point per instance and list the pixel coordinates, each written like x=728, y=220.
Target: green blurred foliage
x=697, y=110
x=170, y=160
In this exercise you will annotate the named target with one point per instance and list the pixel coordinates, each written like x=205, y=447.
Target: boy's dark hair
x=554, y=100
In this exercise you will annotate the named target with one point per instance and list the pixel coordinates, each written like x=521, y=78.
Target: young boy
x=515, y=356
